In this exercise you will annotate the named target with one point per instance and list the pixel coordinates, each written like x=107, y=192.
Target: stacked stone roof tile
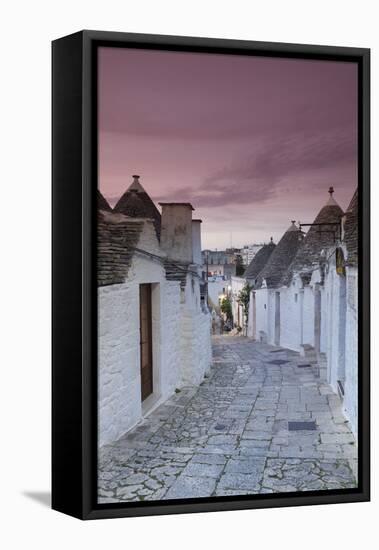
x=351, y=231
x=102, y=203
x=280, y=258
x=318, y=238
x=136, y=203
x=176, y=272
x=117, y=236
x=259, y=261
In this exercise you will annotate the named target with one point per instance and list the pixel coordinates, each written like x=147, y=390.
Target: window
x=295, y=297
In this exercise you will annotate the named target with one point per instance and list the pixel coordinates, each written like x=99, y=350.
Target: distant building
x=153, y=333
x=219, y=262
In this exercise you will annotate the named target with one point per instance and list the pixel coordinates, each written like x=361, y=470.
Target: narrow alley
x=262, y=422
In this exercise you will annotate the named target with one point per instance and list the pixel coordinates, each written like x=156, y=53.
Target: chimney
x=176, y=231
x=196, y=242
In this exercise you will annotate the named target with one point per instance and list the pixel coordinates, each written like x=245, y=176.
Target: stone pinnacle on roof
x=331, y=201
x=136, y=185
x=136, y=203
x=293, y=227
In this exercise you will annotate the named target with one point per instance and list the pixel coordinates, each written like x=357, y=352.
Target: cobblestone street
x=261, y=423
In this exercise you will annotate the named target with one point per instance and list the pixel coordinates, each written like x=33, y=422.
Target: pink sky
x=251, y=142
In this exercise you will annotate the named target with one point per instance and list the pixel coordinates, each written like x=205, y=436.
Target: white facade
x=181, y=345
x=342, y=336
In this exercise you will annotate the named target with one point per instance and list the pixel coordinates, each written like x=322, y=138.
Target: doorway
x=146, y=341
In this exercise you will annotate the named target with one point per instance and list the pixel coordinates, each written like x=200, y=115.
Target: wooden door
x=146, y=344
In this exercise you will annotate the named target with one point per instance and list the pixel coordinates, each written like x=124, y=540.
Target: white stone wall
x=350, y=403
x=195, y=336
x=332, y=288
x=308, y=316
x=170, y=341
x=271, y=316
x=119, y=390
x=262, y=301
x=324, y=321
x=119, y=347
x=250, y=322
x=342, y=336
x=290, y=316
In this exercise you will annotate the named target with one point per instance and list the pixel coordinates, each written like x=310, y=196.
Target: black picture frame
x=74, y=359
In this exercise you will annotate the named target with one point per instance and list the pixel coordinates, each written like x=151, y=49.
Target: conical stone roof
x=351, y=231
x=136, y=203
x=318, y=238
x=258, y=262
x=280, y=259
x=102, y=203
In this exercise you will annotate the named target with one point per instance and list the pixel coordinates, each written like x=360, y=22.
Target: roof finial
x=331, y=201
x=293, y=222
x=135, y=185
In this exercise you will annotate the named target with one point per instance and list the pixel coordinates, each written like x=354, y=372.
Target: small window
x=295, y=297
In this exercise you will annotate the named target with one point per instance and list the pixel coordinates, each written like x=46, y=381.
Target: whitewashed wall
x=324, y=321
x=252, y=318
x=308, y=315
x=195, y=335
x=332, y=288
x=119, y=344
x=262, y=301
x=350, y=402
x=170, y=339
x=290, y=316
x=342, y=336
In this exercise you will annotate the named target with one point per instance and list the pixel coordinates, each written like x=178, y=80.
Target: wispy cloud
x=257, y=177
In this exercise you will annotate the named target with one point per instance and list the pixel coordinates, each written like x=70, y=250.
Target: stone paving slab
x=230, y=435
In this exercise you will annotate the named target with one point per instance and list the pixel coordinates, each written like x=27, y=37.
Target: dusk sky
x=251, y=142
